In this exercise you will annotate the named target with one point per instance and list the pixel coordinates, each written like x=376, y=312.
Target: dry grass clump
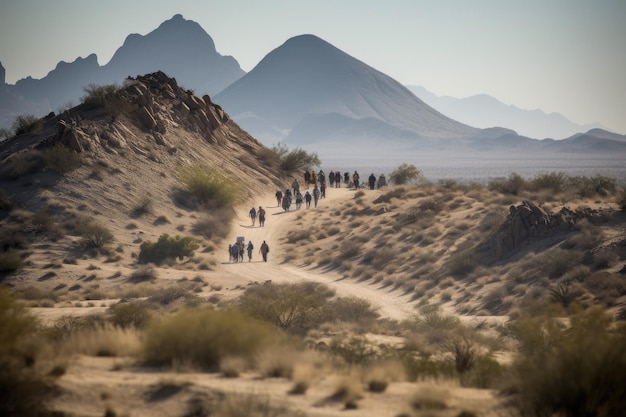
x=249, y=405
x=104, y=340
x=202, y=337
x=214, y=225
x=565, y=370
x=145, y=273
x=133, y=314
x=430, y=397
x=347, y=389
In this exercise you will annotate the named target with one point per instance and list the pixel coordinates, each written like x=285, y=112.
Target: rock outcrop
x=527, y=222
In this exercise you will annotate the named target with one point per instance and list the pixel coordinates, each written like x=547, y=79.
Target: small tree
x=295, y=308
x=26, y=123
x=405, y=174
x=167, y=247
x=296, y=159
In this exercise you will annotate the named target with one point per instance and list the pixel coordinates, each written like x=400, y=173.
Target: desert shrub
x=621, y=199
x=552, y=181
x=405, y=174
x=430, y=398
x=66, y=326
x=10, y=261
x=26, y=124
x=168, y=295
x=143, y=274
x=249, y=405
x=355, y=351
x=557, y=262
x=295, y=308
x=143, y=206
x=214, y=225
x=462, y=262
x=395, y=192
x=203, y=337
x=135, y=314
x=353, y=310
x=486, y=373
x=106, y=97
x=596, y=185
x=295, y=159
x=210, y=187
x=22, y=163
x=94, y=235
x=23, y=387
x=295, y=236
x=514, y=184
x=562, y=294
x=167, y=247
x=463, y=351
x=418, y=367
x=103, y=340
x=579, y=373
x=60, y=159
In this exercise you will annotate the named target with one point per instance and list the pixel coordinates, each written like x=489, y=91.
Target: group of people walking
x=318, y=181
x=237, y=251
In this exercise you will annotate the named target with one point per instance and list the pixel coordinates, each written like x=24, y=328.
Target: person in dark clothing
x=279, y=197
x=316, y=194
x=249, y=248
x=307, y=178
x=261, y=214
x=307, y=199
x=253, y=215
x=331, y=178
x=346, y=178
x=338, y=179
x=372, y=181
x=265, y=249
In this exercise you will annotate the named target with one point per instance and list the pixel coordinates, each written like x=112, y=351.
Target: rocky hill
x=120, y=166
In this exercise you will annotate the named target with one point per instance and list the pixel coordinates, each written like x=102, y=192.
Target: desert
x=420, y=298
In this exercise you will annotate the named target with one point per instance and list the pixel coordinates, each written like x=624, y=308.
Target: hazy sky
x=566, y=56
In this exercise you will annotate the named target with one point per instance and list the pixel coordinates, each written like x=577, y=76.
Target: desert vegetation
x=422, y=298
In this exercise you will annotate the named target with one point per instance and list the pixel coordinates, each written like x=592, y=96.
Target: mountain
x=484, y=111
x=308, y=90
x=178, y=47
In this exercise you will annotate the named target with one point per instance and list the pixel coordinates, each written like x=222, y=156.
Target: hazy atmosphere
x=558, y=56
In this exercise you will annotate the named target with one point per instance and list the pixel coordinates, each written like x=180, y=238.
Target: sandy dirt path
x=391, y=304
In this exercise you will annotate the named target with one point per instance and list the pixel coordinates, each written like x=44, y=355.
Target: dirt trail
x=391, y=304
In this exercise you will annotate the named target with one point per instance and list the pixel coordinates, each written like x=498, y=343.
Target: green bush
x=552, y=181
x=167, y=247
x=405, y=174
x=295, y=308
x=26, y=124
x=514, y=184
x=60, y=159
x=579, y=373
x=106, y=97
x=203, y=337
x=296, y=159
x=210, y=187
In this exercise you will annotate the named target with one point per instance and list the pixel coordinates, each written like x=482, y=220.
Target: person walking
x=372, y=181
x=298, y=200
x=338, y=179
x=323, y=190
x=346, y=178
x=265, y=249
x=296, y=187
x=249, y=248
x=331, y=178
x=234, y=252
x=242, y=248
x=261, y=214
x=355, y=180
x=382, y=181
x=279, y=197
x=307, y=199
x=316, y=195
x=253, y=215
x=307, y=178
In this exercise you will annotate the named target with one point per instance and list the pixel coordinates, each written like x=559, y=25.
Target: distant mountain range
x=178, y=47
x=484, y=111
x=304, y=93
